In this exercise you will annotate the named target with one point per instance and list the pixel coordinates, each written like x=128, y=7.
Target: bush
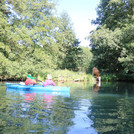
x=109, y=77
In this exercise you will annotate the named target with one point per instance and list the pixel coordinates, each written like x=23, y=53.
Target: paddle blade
x=29, y=76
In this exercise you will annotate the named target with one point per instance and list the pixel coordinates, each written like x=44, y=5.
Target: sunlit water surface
x=87, y=109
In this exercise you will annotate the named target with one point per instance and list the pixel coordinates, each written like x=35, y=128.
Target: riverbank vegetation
x=67, y=76
x=112, y=42
x=35, y=40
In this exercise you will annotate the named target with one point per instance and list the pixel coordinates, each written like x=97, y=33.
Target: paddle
x=29, y=76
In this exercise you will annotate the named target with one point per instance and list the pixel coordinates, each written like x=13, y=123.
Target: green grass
x=108, y=77
x=66, y=75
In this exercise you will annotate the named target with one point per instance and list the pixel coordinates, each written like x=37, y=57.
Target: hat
x=49, y=77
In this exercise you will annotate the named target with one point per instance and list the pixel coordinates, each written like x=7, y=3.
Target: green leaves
x=32, y=39
x=112, y=43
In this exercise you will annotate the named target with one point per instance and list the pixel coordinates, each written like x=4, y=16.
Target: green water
x=87, y=109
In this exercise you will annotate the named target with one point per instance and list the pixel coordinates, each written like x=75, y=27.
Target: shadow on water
x=117, y=88
x=88, y=109
x=112, y=108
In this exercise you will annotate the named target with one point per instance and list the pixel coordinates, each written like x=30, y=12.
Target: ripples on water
x=86, y=110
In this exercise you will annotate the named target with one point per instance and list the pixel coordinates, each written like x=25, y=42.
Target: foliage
x=68, y=44
x=109, y=77
x=33, y=39
x=86, y=58
x=112, y=42
x=66, y=75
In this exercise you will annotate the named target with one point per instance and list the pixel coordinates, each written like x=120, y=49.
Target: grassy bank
x=66, y=76
x=57, y=75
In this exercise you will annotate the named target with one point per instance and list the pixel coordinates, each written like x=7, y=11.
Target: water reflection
x=96, y=86
x=82, y=123
x=35, y=112
x=112, y=108
x=93, y=109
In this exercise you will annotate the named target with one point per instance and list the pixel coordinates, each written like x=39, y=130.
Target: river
x=107, y=108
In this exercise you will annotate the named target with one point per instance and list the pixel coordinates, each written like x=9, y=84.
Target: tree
x=112, y=42
x=33, y=39
x=85, y=59
x=26, y=32
x=67, y=43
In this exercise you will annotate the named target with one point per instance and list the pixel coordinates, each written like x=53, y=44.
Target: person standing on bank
x=96, y=72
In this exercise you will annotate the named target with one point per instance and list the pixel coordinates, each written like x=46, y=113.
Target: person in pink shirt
x=49, y=81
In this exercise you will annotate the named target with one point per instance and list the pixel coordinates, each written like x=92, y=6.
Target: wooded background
x=33, y=38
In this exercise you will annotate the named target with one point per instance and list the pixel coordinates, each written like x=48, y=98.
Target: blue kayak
x=19, y=86
x=27, y=91
x=50, y=88
x=38, y=87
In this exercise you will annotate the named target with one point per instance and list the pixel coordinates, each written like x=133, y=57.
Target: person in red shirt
x=30, y=81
